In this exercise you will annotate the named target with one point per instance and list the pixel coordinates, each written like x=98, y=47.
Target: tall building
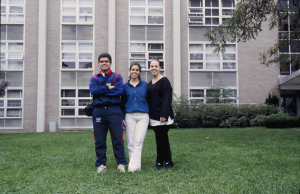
x=49, y=51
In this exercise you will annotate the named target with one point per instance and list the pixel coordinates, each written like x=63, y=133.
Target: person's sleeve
x=167, y=99
x=146, y=97
x=118, y=89
x=122, y=106
x=96, y=88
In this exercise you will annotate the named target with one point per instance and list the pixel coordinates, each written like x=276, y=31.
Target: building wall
x=254, y=79
x=101, y=31
x=169, y=41
x=31, y=66
x=184, y=49
x=53, y=62
x=122, y=38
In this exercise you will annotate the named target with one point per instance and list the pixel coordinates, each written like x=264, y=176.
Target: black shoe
x=159, y=166
x=168, y=165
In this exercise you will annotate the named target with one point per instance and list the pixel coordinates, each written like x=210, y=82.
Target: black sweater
x=160, y=99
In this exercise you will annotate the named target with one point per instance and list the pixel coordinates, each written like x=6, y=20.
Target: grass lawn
x=251, y=160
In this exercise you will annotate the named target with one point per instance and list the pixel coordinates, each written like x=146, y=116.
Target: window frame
x=77, y=13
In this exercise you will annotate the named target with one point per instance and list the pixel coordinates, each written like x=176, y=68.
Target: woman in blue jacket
x=136, y=116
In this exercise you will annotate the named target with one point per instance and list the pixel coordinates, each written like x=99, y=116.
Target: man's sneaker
x=121, y=168
x=159, y=166
x=101, y=168
x=168, y=165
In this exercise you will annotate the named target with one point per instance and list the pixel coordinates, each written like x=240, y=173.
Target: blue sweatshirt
x=102, y=96
x=135, y=98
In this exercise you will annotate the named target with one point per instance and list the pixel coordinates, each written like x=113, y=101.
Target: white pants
x=136, y=130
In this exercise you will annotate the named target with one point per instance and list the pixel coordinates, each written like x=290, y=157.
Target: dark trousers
x=105, y=118
x=162, y=144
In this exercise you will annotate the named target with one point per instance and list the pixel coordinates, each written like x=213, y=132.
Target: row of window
x=12, y=60
x=77, y=56
x=77, y=11
x=289, y=40
x=200, y=96
x=201, y=57
x=211, y=3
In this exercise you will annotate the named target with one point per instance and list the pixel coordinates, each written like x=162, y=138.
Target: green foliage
x=258, y=121
x=3, y=84
x=246, y=24
x=272, y=99
x=185, y=114
x=228, y=115
x=234, y=122
x=281, y=120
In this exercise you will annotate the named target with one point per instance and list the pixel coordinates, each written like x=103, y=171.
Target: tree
x=246, y=23
x=3, y=84
x=272, y=99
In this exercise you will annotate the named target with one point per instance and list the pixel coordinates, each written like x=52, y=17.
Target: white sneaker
x=121, y=168
x=101, y=168
x=134, y=170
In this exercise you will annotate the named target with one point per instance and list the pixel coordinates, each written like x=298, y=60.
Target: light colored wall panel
x=254, y=79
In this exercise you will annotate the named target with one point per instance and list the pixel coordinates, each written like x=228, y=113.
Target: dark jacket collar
x=108, y=73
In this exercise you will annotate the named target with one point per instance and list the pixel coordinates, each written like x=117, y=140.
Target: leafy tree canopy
x=246, y=23
x=3, y=84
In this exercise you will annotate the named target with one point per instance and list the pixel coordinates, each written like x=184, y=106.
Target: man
x=106, y=88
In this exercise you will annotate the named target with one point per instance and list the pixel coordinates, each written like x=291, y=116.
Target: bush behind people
x=229, y=115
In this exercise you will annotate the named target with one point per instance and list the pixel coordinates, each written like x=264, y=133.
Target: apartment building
x=49, y=51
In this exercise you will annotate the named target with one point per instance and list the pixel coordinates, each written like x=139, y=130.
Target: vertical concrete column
x=176, y=48
x=41, y=85
x=112, y=31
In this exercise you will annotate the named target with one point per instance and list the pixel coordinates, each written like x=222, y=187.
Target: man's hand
x=162, y=119
x=110, y=87
x=124, y=124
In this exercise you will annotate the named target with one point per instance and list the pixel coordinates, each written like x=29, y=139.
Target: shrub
x=272, y=99
x=227, y=115
x=213, y=115
x=185, y=114
x=258, y=121
x=234, y=122
x=281, y=120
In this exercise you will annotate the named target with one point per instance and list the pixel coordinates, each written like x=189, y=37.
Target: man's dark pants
x=104, y=118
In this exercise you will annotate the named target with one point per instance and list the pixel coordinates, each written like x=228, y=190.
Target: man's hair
x=104, y=55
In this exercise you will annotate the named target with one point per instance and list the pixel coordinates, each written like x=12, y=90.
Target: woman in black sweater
x=161, y=114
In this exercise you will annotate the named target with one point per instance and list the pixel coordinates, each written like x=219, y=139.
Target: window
x=196, y=93
x=210, y=95
x=12, y=11
x=289, y=41
x=12, y=61
x=146, y=12
x=195, y=3
x=77, y=11
x=202, y=57
x=209, y=12
x=146, y=44
x=77, y=56
x=76, y=32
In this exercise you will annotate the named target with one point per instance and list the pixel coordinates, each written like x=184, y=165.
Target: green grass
x=251, y=160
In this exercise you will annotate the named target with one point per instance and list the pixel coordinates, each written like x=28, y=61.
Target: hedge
x=228, y=115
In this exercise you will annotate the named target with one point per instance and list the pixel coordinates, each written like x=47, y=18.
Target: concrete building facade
x=49, y=51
